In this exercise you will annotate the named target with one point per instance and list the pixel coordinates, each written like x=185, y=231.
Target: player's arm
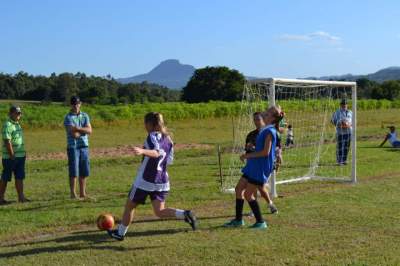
x=146, y=152
x=263, y=153
x=384, y=141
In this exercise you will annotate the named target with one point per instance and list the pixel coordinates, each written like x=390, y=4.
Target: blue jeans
x=342, y=147
x=16, y=166
x=78, y=162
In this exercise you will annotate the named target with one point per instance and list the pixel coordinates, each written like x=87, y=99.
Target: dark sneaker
x=191, y=219
x=114, y=234
x=273, y=209
x=262, y=225
x=234, y=223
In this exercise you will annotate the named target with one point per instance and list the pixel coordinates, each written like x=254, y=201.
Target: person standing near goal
x=258, y=168
x=341, y=119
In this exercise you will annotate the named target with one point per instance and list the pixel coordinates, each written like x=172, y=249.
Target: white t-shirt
x=392, y=137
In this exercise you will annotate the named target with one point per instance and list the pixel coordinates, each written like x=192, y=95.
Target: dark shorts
x=78, y=162
x=16, y=166
x=252, y=181
x=139, y=196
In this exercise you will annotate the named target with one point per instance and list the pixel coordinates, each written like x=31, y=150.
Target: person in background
x=341, y=119
x=392, y=138
x=13, y=155
x=289, y=136
x=78, y=128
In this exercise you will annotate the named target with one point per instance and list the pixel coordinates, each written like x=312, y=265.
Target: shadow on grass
x=92, y=237
x=67, y=248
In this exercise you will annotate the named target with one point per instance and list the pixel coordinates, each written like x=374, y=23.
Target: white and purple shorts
x=139, y=196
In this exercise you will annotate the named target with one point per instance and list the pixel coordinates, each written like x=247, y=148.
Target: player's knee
x=239, y=191
x=249, y=195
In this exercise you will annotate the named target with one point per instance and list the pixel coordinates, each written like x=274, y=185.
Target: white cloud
x=317, y=35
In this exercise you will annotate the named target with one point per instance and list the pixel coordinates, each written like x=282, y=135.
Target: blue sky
x=282, y=38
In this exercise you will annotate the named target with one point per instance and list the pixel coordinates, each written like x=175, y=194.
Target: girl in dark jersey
x=152, y=178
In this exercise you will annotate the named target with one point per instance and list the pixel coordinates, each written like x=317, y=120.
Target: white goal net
x=313, y=149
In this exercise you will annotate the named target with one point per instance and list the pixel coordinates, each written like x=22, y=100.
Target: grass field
x=319, y=223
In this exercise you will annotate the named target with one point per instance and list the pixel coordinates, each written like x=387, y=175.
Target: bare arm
x=83, y=130
x=384, y=141
x=146, y=152
x=9, y=148
x=263, y=153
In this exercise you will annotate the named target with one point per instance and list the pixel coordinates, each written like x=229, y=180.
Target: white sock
x=122, y=229
x=180, y=214
x=271, y=203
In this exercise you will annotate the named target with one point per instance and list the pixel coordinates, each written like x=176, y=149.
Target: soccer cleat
x=191, y=219
x=114, y=234
x=262, y=225
x=273, y=209
x=234, y=223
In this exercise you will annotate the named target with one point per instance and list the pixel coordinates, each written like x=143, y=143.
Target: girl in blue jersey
x=258, y=168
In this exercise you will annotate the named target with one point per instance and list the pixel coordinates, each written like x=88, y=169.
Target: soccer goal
x=308, y=106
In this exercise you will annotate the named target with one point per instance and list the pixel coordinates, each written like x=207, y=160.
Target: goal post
x=309, y=106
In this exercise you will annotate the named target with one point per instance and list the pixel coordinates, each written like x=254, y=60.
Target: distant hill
x=390, y=73
x=169, y=73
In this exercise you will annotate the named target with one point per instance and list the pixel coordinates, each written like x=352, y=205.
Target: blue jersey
x=259, y=169
x=77, y=120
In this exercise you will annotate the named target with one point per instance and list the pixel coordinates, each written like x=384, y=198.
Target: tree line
x=91, y=89
x=206, y=84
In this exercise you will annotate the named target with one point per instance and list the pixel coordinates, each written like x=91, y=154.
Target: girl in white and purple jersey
x=152, y=178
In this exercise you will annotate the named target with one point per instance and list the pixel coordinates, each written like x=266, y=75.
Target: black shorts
x=252, y=181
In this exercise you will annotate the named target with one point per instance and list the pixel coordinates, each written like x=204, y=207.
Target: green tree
x=214, y=83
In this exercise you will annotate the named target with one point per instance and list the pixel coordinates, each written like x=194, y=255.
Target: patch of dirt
x=119, y=151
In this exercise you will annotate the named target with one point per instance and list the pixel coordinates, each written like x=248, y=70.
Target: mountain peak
x=169, y=73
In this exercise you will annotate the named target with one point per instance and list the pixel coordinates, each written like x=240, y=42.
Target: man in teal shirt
x=78, y=128
x=13, y=154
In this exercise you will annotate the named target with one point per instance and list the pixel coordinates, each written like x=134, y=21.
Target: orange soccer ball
x=105, y=221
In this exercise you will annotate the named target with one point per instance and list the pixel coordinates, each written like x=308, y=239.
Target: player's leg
x=73, y=170
x=158, y=203
x=249, y=196
x=136, y=196
x=265, y=195
x=239, y=190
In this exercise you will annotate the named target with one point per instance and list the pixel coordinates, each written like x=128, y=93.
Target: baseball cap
x=15, y=109
x=343, y=101
x=75, y=100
